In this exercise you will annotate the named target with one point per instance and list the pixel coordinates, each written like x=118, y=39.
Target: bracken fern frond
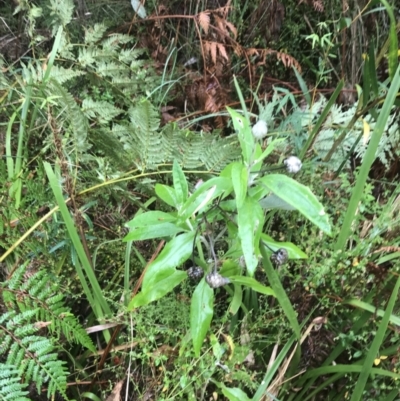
x=30, y=330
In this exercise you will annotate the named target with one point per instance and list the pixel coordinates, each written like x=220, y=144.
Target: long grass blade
x=95, y=295
x=374, y=349
x=369, y=158
x=280, y=293
x=321, y=119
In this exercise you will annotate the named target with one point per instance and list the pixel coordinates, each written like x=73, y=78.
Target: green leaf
x=300, y=197
x=161, y=230
x=153, y=224
x=239, y=181
x=250, y=222
x=393, y=55
x=198, y=203
x=246, y=139
x=201, y=313
x=303, y=86
x=150, y=218
x=373, y=78
x=236, y=299
x=93, y=292
x=380, y=336
x=174, y=254
x=164, y=285
x=273, y=368
x=280, y=293
x=180, y=184
x=167, y=194
x=366, y=75
x=274, y=202
x=204, y=194
x=369, y=157
x=234, y=394
x=230, y=268
x=253, y=284
x=371, y=308
x=294, y=252
x=270, y=148
x=321, y=119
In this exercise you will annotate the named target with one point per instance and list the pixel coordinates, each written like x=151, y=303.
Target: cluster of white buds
x=260, y=129
x=293, y=164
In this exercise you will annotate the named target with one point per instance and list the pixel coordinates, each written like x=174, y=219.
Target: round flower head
x=293, y=164
x=260, y=129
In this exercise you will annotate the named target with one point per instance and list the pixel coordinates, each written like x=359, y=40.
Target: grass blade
x=367, y=368
x=95, y=295
x=280, y=293
x=321, y=119
x=369, y=158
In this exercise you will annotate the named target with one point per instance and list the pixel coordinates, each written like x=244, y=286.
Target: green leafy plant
x=231, y=200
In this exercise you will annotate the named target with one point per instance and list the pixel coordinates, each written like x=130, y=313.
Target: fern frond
x=184, y=147
x=195, y=151
x=74, y=119
x=146, y=141
x=111, y=69
x=34, y=356
x=133, y=56
x=105, y=141
x=103, y=111
x=388, y=145
x=33, y=72
x=115, y=40
x=62, y=75
x=11, y=388
x=30, y=301
x=220, y=152
x=94, y=34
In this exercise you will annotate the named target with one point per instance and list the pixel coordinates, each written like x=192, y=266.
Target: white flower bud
x=260, y=129
x=293, y=164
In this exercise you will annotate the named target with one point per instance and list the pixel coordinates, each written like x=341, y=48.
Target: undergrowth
x=297, y=303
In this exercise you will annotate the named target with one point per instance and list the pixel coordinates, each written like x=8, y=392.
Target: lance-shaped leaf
x=250, y=222
x=237, y=298
x=201, y=313
x=246, y=139
x=253, y=284
x=180, y=184
x=239, y=181
x=300, y=197
x=164, y=286
x=279, y=291
x=153, y=224
x=204, y=195
x=174, y=254
x=234, y=394
x=167, y=194
x=294, y=251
